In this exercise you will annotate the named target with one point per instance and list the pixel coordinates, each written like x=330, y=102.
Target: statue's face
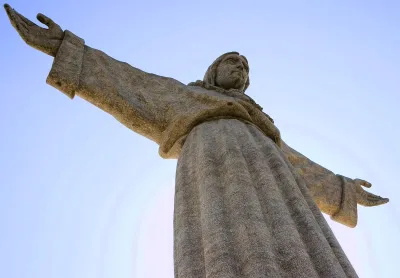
x=232, y=72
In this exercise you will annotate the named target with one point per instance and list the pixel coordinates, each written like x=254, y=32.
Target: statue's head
x=229, y=71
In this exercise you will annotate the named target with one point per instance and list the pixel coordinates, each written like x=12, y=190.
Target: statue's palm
x=45, y=40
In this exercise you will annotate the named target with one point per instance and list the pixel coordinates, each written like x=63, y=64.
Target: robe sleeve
x=334, y=194
x=141, y=101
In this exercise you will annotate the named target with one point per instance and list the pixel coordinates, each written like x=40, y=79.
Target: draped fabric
x=242, y=210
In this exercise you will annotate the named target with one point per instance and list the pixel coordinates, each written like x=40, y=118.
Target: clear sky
x=83, y=196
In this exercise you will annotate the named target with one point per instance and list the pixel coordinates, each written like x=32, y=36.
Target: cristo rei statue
x=246, y=204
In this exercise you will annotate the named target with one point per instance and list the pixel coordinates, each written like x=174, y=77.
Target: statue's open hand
x=45, y=40
x=365, y=198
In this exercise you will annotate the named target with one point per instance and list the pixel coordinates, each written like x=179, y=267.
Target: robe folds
x=246, y=204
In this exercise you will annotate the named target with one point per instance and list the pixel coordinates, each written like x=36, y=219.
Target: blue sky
x=82, y=196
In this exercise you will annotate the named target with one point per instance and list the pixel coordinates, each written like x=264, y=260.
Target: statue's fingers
x=370, y=200
x=370, y=196
x=47, y=21
x=13, y=15
x=10, y=12
x=18, y=19
x=25, y=20
x=7, y=7
x=373, y=197
x=362, y=182
x=366, y=184
x=17, y=23
x=376, y=201
x=44, y=19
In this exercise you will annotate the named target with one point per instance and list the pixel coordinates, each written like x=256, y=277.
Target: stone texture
x=246, y=204
x=242, y=210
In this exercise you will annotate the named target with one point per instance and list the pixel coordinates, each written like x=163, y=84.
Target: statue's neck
x=207, y=86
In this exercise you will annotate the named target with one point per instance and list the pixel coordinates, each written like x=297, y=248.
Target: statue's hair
x=211, y=73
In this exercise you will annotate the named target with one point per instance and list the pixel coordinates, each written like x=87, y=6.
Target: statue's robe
x=246, y=204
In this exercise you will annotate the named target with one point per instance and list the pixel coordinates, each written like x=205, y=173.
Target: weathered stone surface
x=242, y=210
x=246, y=204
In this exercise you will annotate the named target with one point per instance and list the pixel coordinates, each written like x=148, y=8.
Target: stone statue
x=246, y=204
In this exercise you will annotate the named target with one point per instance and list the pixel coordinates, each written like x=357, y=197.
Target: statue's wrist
x=67, y=65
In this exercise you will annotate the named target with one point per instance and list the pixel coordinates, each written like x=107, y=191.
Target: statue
x=246, y=204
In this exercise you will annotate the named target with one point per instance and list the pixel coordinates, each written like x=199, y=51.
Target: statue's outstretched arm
x=335, y=195
x=143, y=102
